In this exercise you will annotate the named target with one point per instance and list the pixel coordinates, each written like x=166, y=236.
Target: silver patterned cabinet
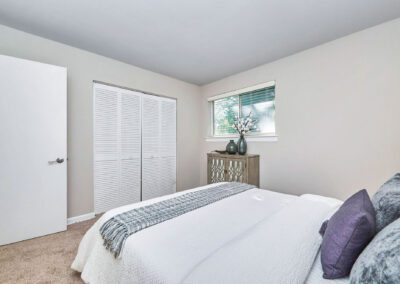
x=240, y=168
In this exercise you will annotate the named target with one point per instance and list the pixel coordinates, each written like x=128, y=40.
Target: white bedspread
x=257, y=236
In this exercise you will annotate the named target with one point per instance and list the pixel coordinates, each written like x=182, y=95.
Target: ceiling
x=195, y=41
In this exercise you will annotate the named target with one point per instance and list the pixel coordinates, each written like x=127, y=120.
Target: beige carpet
x=43, y=260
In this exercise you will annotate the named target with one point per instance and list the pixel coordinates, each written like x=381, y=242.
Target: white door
x=151, y=137
x=159, y=146
x=168, y=146
x=33, y=149
x=117, y=147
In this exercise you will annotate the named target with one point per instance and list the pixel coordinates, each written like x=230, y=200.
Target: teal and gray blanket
x=116, y=230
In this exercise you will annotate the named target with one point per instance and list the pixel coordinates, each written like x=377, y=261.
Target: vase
x=231, y=148
x=242, y=145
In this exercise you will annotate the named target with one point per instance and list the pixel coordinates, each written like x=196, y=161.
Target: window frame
x=255, y=135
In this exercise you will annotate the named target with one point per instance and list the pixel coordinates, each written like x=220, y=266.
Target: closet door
x=130, y=147
x=117, y=147
x=150, y=147
x=168, y=146
x=159, y=146
x=106, y=171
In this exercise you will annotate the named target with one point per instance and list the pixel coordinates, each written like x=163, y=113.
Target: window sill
x=269, y=138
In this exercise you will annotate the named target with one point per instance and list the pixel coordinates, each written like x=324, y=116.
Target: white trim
x=101, y=84
x=270, y=138
x=80, y=218
x=243, y=90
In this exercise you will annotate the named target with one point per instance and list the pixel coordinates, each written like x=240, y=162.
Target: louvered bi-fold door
x=117, y=147
x=158, y=146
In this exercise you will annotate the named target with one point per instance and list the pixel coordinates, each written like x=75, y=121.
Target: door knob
x=58, y=161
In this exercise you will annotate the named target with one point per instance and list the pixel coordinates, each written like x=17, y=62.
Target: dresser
x=240, y=168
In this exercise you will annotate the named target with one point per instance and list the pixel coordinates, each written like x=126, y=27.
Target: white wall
x=84, y=67
x=337, y=115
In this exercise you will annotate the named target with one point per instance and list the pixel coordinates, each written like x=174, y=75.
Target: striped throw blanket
x=116, y=230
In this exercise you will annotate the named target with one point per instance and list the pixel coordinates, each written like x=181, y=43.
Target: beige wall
x=84, y=67
x=337, y=115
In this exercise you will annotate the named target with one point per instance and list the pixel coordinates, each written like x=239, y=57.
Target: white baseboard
x=80, y=218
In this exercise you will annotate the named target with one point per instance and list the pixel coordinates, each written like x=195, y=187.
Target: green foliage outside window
x=260, y=103
x=226, y=111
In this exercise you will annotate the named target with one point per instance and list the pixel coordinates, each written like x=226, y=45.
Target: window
x=259, y=101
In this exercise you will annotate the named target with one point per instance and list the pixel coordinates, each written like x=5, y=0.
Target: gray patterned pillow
x=386, y=202
x=380, y=261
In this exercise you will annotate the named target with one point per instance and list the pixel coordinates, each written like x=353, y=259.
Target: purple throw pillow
x=347, y=233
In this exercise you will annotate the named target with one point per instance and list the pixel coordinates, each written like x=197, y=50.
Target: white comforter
x=257, y=236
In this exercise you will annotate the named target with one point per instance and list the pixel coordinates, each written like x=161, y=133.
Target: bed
x=257, y=236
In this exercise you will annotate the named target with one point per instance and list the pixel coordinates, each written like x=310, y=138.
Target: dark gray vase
x=242, y=145
x=231, y=148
